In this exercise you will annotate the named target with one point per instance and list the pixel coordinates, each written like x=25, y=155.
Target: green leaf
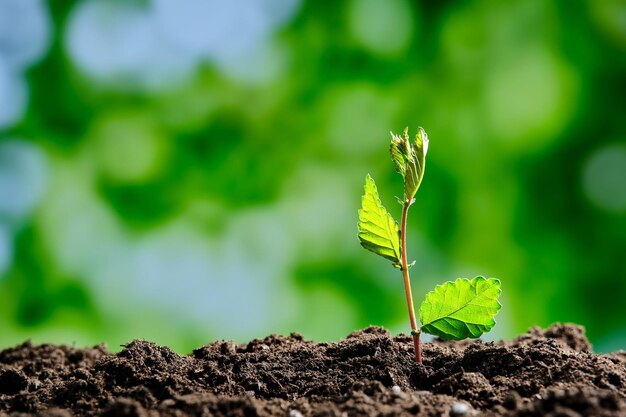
x=421, y=149
x=409, y=160
x=460, y=309
x=378, y=231
x=400, y=151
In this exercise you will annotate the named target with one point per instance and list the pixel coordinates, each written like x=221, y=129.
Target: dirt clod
x=549, y=372
x=12, y=381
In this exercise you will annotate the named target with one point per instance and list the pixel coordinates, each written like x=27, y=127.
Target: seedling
x=453, y=310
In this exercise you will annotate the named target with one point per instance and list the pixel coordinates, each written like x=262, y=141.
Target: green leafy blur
x=183, y=171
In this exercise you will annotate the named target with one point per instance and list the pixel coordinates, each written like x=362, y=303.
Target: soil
x=549, y=372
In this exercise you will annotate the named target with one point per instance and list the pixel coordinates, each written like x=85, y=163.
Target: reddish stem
x=407, y=287
x=418, y=347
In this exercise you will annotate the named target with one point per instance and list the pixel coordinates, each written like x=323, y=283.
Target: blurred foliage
x=181, y=171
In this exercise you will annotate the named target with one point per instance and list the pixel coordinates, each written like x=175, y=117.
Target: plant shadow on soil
x=541, y=373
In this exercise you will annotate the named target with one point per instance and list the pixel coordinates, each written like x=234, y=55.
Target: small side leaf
x=378, y=231
x=460, y=309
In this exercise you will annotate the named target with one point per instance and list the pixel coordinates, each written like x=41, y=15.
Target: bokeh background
x=191, y=170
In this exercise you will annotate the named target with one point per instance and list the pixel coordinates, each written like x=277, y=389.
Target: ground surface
x=544, y=372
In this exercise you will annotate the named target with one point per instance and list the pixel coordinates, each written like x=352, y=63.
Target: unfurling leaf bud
x=409, y=160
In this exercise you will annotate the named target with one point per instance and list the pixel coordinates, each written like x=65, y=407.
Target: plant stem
x=407, y=287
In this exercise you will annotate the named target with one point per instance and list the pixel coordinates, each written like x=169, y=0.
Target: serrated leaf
x=378, y=231
x=461, y=309
x=399, y=150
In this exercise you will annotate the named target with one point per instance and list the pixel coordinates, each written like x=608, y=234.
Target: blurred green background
x=190, y=170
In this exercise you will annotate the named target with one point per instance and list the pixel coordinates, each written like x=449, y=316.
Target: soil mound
x=370, y=373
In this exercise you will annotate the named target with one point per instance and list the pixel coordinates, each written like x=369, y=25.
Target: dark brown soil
x=370, y=373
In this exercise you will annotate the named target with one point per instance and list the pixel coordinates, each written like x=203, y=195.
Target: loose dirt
x=370, y=373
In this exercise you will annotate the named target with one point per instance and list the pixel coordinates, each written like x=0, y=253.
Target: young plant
x=453, y=310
